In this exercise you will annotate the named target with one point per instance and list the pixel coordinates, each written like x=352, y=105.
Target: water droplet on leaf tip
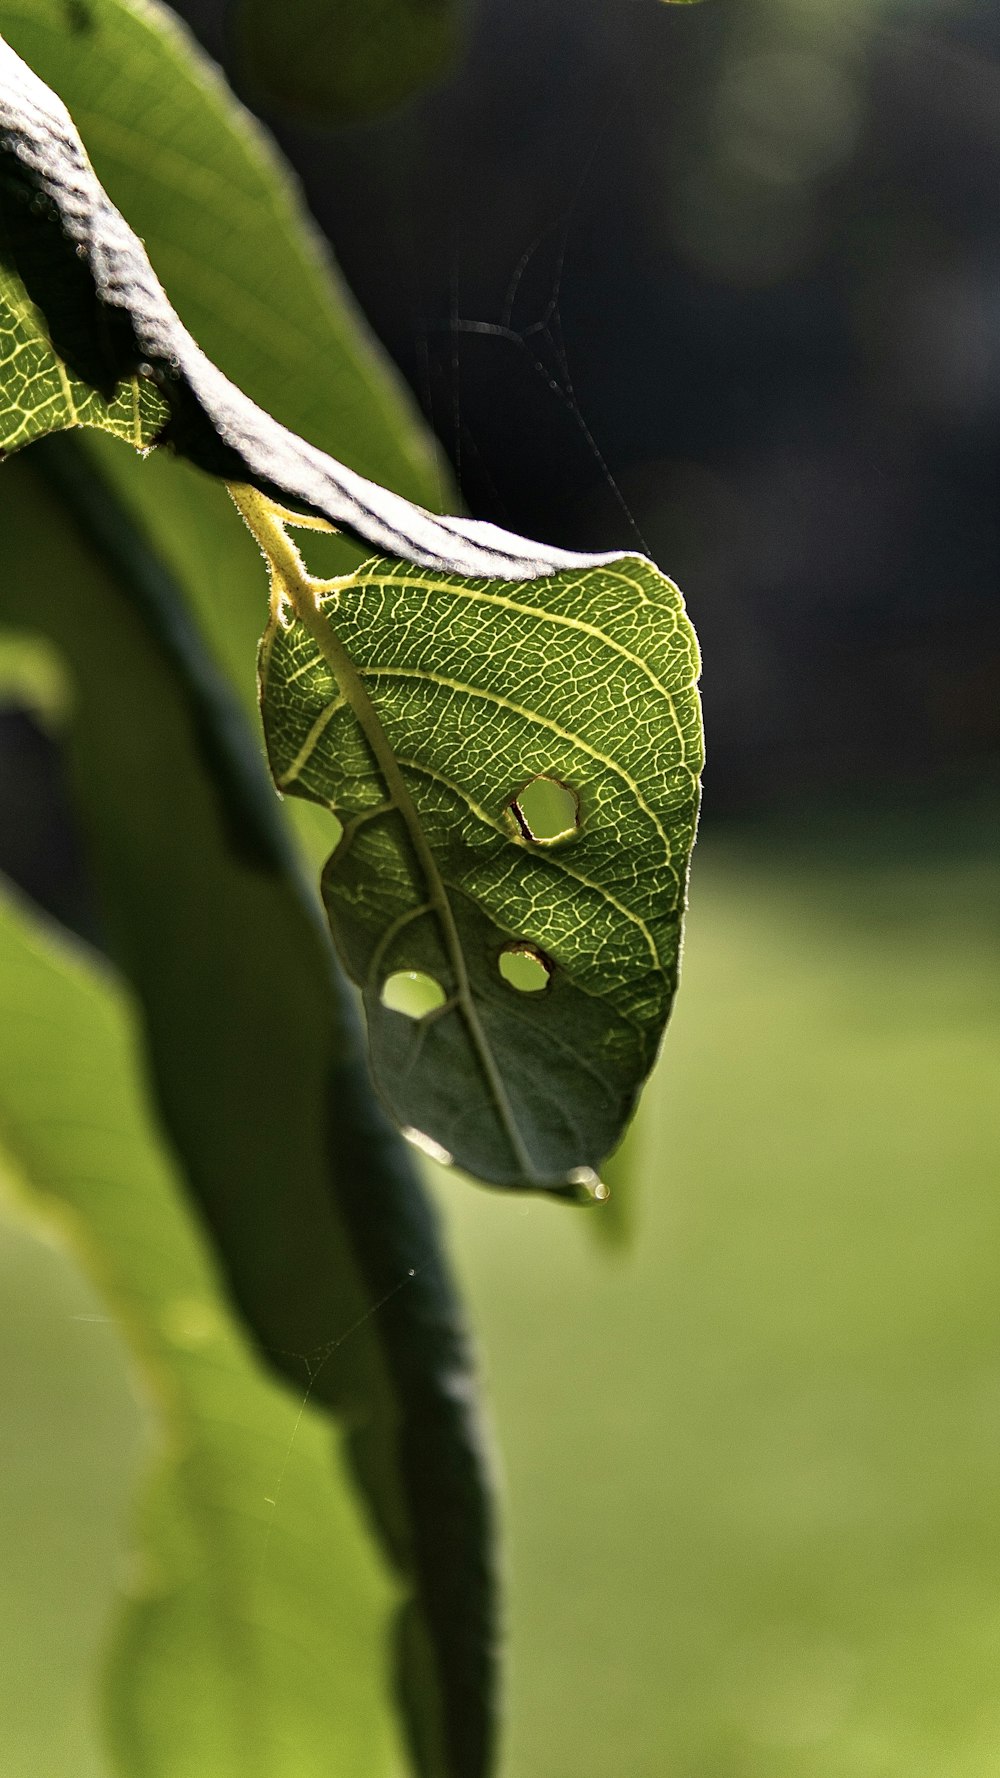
x=590, y=1187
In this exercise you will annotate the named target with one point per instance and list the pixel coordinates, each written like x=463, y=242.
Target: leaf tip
x=435, y=1151
x=586, y=1186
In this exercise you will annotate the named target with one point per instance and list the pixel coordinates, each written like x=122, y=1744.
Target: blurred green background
x=752, y=1453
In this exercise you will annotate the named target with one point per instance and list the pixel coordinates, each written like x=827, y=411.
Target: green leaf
x=338, y=60
x=220, y=217
x=444, y=720
x=90, y=339
x=324, y=1236
x=533, y=1131
x=249, y=1645
x=226, y=229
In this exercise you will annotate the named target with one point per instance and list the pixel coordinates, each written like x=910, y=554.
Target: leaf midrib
x=543, y=855
x=292, y=581
x=370, y=724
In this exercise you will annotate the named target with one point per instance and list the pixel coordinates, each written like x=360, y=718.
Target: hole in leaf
x=328, y=554
x=525, y=968
x=546, y=811
x=411, y=992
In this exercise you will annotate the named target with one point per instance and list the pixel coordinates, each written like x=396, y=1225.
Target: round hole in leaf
x=546, y=811
x=525, y=968
x=412, y=993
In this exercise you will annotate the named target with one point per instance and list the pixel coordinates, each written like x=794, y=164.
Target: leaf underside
x=89, y=338
x=443, y=700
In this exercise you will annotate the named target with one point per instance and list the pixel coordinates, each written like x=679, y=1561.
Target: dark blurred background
x=722, y=282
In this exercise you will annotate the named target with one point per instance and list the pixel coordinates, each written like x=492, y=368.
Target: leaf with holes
x=434, y=717
x=515, y=765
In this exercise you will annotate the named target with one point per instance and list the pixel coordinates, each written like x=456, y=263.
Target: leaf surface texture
x=436, y=703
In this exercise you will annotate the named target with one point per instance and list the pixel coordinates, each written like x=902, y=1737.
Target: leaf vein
x=530, y=717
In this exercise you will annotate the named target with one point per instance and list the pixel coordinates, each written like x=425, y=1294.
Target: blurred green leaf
x=253, y=1613
x=32, y=677
x=422, y=710
x=339, y=60
x=217, y=210
x=321, y=1228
